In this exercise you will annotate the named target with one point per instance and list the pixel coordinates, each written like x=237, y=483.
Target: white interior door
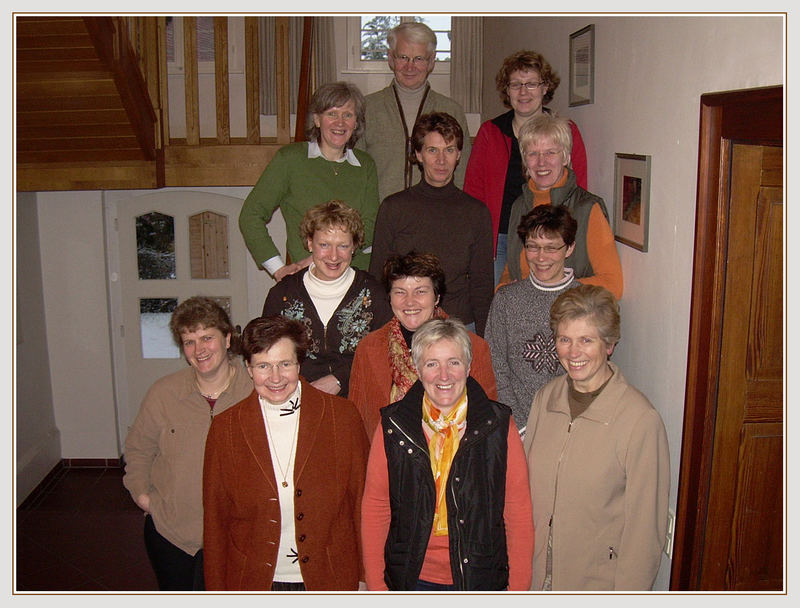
x=142, y=346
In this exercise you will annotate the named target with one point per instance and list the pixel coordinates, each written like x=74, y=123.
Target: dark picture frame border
x=636, y=168
x=581, y=66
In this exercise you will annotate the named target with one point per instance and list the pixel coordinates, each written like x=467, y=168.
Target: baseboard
x=61, y=468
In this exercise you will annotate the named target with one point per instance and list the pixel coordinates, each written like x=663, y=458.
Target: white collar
x=568, y=276
x=349, y=156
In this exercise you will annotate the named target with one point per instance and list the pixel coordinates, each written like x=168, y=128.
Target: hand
x=328, y=384
x=286, y=270
x=143, y=501
x=291, y=268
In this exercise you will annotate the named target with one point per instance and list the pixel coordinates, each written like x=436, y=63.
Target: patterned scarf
x=443, y=446
x=403, y=372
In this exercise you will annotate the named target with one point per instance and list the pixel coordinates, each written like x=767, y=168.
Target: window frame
x=356, y=65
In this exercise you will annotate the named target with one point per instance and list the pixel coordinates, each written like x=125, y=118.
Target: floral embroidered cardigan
x=363, y=309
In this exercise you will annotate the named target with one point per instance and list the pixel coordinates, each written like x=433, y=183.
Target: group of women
x=362, y=445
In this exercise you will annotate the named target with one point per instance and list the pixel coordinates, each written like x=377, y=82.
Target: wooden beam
x=303, y=93
x=282, y=78
x=230, y=165
x=252, y=70
x=221, y=80
x=190, y=80
x=132, y=175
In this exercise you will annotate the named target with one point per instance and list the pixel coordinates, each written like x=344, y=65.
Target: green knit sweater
x=295, y=183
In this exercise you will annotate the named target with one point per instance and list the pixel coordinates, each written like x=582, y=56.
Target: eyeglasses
x=531, y=86
x=547, y=154
x=548, y=249
x=267, y=368
x=417, y=61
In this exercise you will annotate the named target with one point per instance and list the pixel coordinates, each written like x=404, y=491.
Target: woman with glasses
x=518, y=330
x=545, y=143
x=494, y=175
x=283, y=476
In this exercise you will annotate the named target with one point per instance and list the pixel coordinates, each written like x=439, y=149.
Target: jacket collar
x=604, y=408
x=251, y=422
x=408, y=411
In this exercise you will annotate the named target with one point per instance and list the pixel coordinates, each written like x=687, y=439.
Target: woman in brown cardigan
x=382, y=369
x=283, y=478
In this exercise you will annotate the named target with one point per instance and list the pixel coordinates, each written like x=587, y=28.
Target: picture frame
x=632, y=199
x=581, y=66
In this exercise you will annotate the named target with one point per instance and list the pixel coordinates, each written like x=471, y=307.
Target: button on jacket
x=240, y=496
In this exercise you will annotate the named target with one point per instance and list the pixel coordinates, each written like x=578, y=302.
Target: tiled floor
x=82, y=533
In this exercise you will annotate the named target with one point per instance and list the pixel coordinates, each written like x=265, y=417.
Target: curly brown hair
x=333, y=214
x=594, y=303
x=526, y=61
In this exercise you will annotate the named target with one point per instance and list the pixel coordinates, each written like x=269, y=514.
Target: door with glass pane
x=171, y=245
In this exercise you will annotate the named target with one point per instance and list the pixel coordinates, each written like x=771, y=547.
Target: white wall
x=76, y=313
x=38, y=446
x=649, y=75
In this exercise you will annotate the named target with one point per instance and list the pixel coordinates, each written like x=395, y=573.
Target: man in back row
x=392, y=112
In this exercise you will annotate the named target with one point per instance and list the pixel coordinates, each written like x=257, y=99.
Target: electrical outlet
x=670, y=533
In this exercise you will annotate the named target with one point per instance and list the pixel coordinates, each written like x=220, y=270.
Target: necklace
x=285, y=473
x=215, y=394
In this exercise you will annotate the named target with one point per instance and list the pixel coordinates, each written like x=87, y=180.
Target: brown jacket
x=242, y=515
x=371, y=376
x=602, y=482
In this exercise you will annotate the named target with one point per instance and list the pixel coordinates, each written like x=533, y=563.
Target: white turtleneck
x=326, y=295
x=281, y=423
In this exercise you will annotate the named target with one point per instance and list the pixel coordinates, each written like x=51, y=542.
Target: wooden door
x=729, y=526
x=143, y=348
x=744, y=533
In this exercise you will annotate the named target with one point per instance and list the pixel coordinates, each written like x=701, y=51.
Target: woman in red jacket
x=494, y=171
x=382, y=369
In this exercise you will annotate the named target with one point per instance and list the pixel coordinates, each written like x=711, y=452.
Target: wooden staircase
x=92, y=111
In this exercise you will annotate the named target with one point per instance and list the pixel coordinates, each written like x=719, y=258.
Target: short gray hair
x=433, y=331
x=414, y=32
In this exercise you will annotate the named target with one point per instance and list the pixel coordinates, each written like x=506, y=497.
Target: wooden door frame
x=752, y=116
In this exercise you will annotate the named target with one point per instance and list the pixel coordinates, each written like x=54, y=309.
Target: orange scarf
x=443, y=446
x=404, y=375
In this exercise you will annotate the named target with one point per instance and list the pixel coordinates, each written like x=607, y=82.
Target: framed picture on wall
x=632, y=199
x=581, y=66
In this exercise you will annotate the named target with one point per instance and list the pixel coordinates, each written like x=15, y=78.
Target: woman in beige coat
x=598, y=460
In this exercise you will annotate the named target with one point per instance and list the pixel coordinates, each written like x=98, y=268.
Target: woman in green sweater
x=304, y=174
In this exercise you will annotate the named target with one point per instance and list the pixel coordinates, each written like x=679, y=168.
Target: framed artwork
x=632, y=199
x=581, y=66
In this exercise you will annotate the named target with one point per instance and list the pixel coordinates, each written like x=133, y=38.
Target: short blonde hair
x=546, y=125
x=594, y=303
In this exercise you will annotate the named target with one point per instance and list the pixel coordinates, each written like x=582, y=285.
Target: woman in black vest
x=445, y=505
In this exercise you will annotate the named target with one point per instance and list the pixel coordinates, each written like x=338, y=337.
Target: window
x=367, y=40
x=205, y=45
